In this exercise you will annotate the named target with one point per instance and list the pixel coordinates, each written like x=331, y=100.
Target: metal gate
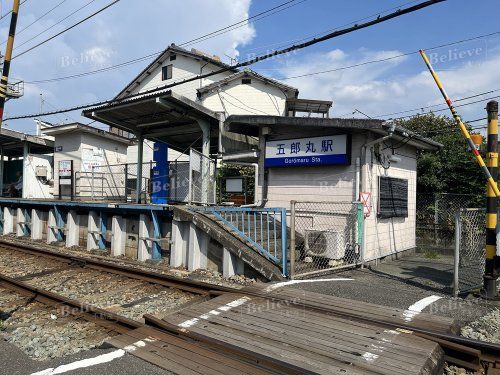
x=325, y=236
x=202, y=179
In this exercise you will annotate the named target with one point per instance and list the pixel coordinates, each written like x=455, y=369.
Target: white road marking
x=418, y=306
x=370, y=357
x=228, y=306
x=292, y=282
x=103, y=358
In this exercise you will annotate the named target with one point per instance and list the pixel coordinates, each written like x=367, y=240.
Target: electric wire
x=67, y=29
x=335, y=34
x=36, y=20
x=210, y=35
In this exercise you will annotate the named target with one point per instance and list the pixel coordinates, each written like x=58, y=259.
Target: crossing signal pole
x=8, y=57
x=492, y=264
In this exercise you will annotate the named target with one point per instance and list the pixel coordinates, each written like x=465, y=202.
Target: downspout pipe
x=265, y=175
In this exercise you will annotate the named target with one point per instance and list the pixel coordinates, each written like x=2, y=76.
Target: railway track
x=471, y=354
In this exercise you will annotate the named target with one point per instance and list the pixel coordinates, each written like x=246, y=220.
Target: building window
x=173, y=57
x=393, y=197
x=166, y=72
x=246, y=81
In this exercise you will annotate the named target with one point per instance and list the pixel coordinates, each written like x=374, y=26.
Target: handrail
x=263, y=228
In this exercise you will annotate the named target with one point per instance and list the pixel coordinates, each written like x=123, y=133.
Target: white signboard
x=234, y=185
x=326, y=150
x=92, y=157
x=65, y=168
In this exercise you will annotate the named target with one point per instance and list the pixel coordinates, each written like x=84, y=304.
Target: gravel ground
x=486, y=328
x=162, y=266
x=43, y=332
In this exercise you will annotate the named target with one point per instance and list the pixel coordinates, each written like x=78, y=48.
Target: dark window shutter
x=393, y=197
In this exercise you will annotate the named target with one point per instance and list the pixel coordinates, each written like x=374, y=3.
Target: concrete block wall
x=128, y=235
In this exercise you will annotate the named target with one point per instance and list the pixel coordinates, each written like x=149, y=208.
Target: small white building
x=96, y=155
x=326, y=163
x=242, y=116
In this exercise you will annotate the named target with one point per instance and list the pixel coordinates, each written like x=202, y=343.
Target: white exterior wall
x=388, y=236
x=32, y=186
x=337, y=184
x=147, y=154
x=257, y=98
x=70, y=144
x=72, y=148
x=182, y=67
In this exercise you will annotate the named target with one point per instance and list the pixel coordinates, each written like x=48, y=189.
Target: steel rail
x=192, y=286
x=119, y=323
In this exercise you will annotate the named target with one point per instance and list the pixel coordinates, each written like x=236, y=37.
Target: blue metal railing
x=264, y=228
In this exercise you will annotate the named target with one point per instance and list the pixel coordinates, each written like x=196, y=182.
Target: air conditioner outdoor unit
x=328, y=244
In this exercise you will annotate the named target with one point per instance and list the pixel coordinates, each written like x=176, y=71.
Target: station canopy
x=12, y=142
x=163, y=116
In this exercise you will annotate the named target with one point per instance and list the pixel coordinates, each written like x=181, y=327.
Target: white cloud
x=387, y=87
x=125, y=31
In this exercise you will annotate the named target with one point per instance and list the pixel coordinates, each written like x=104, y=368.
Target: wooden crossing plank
x=311, y=325
x=359, y=308
x=308, y=338
x=178, y=355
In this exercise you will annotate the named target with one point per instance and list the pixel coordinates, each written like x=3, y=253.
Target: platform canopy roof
x=309, y=105
x=12, y=143
x=161, y=116
x=288, y=126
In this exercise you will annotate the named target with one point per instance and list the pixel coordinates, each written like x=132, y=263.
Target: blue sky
x=133, y=29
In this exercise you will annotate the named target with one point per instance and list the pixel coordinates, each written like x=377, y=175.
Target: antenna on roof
x=233, y=60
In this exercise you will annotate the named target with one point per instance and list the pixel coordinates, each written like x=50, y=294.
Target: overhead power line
x=436, y=105
x=392, y=57
x=335, y=34
x=38, y=19
x=55, y=24
x=9, y=12
x=213, y=34
x=68, y=28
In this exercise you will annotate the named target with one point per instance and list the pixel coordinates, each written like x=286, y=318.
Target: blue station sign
x=326, y=150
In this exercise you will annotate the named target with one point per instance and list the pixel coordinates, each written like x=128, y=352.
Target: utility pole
x=491, y=261
x=8, y=58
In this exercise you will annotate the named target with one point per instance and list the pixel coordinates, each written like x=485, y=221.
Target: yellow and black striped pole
x=8, y=57
x=490, y=271
x=491, y=182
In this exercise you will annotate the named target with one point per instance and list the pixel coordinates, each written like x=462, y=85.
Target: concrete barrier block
x=198, y=248
x=118, y=235
x=180, y=246
x=73, y=229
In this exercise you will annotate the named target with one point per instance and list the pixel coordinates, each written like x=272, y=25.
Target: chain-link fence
x=325, y=236
x=179, y=181
x=436, y=219
x=203, y=178
x=470, y=233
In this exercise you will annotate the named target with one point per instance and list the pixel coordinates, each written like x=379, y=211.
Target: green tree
x=453, y=169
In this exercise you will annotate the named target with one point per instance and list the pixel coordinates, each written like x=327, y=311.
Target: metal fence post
x=436, y=218
x=361, y=232
x=283, y=242
x=456, y=260
x=292, y=239
x=125, y=181
x=92, y=182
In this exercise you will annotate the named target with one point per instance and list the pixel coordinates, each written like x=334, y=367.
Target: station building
x=307, y=165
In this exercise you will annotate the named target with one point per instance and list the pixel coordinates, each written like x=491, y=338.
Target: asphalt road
x=15, y=362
